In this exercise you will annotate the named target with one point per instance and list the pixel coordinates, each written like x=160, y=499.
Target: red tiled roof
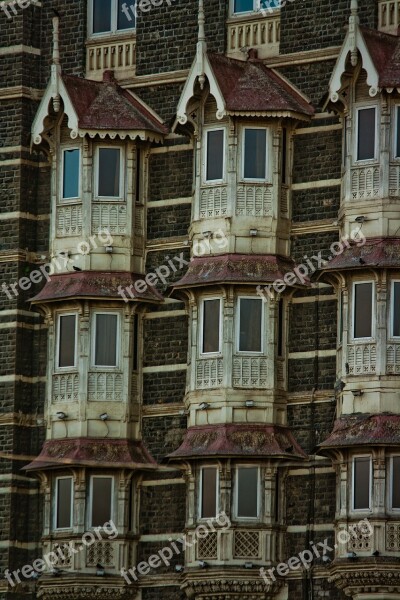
x=250, y=86
x=93, y=452
x=240, y=268
x=105, y=105
x=94, y=284
x=251, y=440
x=360, y=429
x=384, y=50
x=376, y=252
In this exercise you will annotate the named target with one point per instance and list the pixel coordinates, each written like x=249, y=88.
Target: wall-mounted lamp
x=361, y=219
x=100, y=570
x=204, y=406
x=203, y=564
x=61, y=415
x=248, y=565
x=109, y=249
x=207, y=234
x=179, y=568
x=253, y=232
x=357, y=392
x=249, y=403
x=104, y=416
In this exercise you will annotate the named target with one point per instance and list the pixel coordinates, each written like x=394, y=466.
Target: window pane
x=396, y=482
x=71, y=173
x=101, y=500
x=363, y=310
x=211, y=317
x=243, y=5
x=106, y=340
x=250, y=318
x=208, y=493
x=66, y=352
x=281, y=330
x=270, y=4
x=396, y=308
x=247, y=492
x=366, y=133
x=362, y=474
x=215, y=155
x=126, y=14
x=397, y=138
x=101, y=15
x=64, y=503
x=109, y=172
x=255, y=153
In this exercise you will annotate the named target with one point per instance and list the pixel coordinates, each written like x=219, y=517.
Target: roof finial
x=56, y=41
x=201, y=44
x=354, y=21
x=56, y=67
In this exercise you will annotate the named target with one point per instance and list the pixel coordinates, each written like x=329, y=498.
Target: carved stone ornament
x=229, y=589
x=63, y=588
x=363, y=579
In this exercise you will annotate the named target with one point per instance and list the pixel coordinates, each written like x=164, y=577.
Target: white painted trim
x=171, y=202
x=22, y=378
x=93, y=341
x=122, y=183
x=161, y=482
x=201, y=328
x=19, y=49
x=169, y=149
x=313, y=354
x=312, y=527
x=312, y=185
x=22, y=215
x=56, y=86
x=317, y=129
x=165, y=368
x=206, y=131
x=165, y=314
x=200, y=498
x=56, y=504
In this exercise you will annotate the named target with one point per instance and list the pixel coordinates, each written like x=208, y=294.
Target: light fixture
x=183, y=412
x=248, y=565
x=204, y=406
x=357, y=392
x=361, y=219
x=179, y=568
x=203, y=564
x=100, y=570
x=104, y=416
x=207, y=234
x=249, y=403
x=253, y=232
x=61, y=415
x=109, y=249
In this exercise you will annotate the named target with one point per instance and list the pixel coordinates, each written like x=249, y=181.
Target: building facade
x=200, y=299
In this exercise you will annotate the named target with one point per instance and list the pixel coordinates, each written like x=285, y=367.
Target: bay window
x=363, y=303
x=101, y=500
x=366, y=133
x=208, y=492
x=250, y=324
x=63, y=502
x=362, y=478
x=215, y=155
x=247, y=493
x=211, y=326
x=109, y=173
x=105, y=340
x=254, y=154
x=111, y=16
x=71, y=161
x=66, y=341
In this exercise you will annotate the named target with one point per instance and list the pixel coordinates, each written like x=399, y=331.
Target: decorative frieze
x=259, y=31
x=388, y=16
x=249, y=372
x=65, y=387
x=365, y=183
x=110, y=54
x=393, y=537
x=246, y=544
x=213, y=202
x=254, y=201
x=105, y=387
x=361, y=359
x=110, y=216
x=209, y=373
x=69, y=220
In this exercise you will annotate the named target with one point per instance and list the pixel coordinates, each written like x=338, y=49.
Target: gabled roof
x=247, y=88
x=364, y=429
x=103, y=108
x=384, y=50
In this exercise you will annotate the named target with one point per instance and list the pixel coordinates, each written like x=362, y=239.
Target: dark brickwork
x=317, y=157
x=170, y=593
x=172, y=175
x=163, y=435
x=312, y=326
x=164, y=387
x=168, y=221
x=311, y=423
x=320, y=203
x=162, y=509
x=165, y=341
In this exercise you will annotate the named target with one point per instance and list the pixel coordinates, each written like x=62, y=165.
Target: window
x=395, y=482
x=366, y=134
x=109, y=173
x=64, y=503
x=255, y=154
x=362, y=483
x=208, y=492
x=247, y=492
x=101, y=491
x=397, y=132
x=215, y=150
x=112, y=16
x=243, y=6
x=340, y=319
x=71, y=160
x=362, y=310
x=281, y=329
x=67, y=325
x=105, y=340
x=250, y=324
x=211, y=326
x=395, y=309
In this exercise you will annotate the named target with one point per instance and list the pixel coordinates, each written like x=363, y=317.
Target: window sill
x=103, y=38
x=254, y=15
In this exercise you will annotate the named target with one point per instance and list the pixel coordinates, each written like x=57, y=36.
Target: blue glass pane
x=270, y=4
x=243, y=6
x=126, y=14
x=101, y=16
x=71, y=173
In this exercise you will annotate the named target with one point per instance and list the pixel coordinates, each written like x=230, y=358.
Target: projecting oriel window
x=71, y=159
x=105, y=343
x=215, y=155
x=111, y=16
x=101, y=491
x=208, y=492
x=211, y=326
x=250, y=324
x=66, y=354
x=366, y=133
x=243, y=6
x=395, y=482
x=363, y=303
x=247, y=492
x=255, y=154
x=362, y=483
x=64, y=503
x=109, y=173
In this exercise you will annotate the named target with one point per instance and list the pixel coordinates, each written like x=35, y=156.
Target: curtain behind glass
x=109, y=172
x=101, y=500
x=366, y=134
x=67, y=331
x=255, y=153
x=209, y=493
x=363, y=310
x=247, y=494
x=64, y=499
x=211, y=317
x=101, y=16
x=250, y=319
x=362, y=474
x=106, y=340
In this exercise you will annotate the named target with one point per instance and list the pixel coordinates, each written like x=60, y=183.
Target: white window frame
x=360, y=510
x=200, y=506
x=267, y=177
x=57, y=352
x=256, y=8
x=205, y=134
x=78, y=198
x=93, y=341
x=205, y=354
x=90, y=512
x=114, y=21
x=391, y=311
x=353, y=312
x=390, y=486
x=236, y=492
x=121, y=196
x=247, y=352
x=56, y=504
x=355, y=146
